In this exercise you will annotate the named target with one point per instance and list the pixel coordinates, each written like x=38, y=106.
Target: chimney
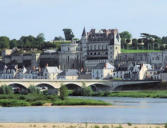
x=105, y=65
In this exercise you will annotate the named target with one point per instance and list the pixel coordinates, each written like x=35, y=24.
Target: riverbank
x=44, y=100
x=78, y=125
x=135, y=94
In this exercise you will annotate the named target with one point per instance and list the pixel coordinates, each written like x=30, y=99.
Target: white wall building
x=51, y=72
x=102, y=71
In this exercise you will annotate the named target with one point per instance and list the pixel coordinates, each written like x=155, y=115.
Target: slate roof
x=104, y=65
x=69, y=72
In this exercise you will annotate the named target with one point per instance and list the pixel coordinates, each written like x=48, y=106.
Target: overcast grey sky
x=31, y=17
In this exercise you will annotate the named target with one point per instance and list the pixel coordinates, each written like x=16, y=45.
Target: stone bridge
x=111, y=84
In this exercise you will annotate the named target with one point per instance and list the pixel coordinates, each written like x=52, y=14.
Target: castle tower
x=84, y=44
x=114, y=47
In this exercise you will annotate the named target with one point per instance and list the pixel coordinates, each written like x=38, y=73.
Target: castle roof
x=84, y=32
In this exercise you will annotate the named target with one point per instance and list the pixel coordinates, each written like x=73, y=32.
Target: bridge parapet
x=57, y=83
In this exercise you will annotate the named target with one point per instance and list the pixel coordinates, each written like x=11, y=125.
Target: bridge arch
x=50, y=86
x=18, y=87
x=75, y=88
x=99, y=87
x=17, y=84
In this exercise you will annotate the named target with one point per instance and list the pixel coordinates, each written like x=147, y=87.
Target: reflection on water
x=134, y=110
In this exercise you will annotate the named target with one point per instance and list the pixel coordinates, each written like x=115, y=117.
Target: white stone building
x=137, y=72
x=51, y=72
x=102, y=71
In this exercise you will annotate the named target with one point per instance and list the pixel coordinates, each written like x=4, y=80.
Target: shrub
x=6, y=89
x=11, y=103
x=8, y=96
x=119, y=126
x=63, y=92
x=129, y=124
x=107, y=93
x=34, y=90
x=79, y=102
x=52, y=97
x=105, y=126
x=96, y=126
x=165, y=125
x=35, y=97
x=38, y=103
x=86, y=91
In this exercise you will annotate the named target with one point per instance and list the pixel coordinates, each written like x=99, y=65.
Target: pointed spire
x=84, y=32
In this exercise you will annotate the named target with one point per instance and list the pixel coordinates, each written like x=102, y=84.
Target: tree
x=13, y=43
x=164, y=39
x=125, y=35
x=135, y=43
x=150, y=40
x=58, y=38
x=86, y=91
x=68, y=34
x=40, y=39
x=4, y=42
x=162, y=47
x=125, y=38
x=27, y=42
x=63, y=92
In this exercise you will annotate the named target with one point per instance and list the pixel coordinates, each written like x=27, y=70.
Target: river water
x=124, y=110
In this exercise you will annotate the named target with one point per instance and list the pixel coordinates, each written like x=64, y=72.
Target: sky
x=31, y=17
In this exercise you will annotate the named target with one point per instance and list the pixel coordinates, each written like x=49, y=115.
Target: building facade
x=102, y=71
x=100, y=47
x=95, y=47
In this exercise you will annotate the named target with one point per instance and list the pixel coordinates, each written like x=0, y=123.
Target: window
x=98, y=46
x=68, y=58
x=95, y=47
x=91, y=47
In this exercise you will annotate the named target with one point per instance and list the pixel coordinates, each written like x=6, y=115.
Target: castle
x=100, y=47
x=95, y=47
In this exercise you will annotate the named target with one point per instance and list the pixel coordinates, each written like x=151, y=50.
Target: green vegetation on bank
x=138, y=51
x=34, y=97
x=135, y=94
x=74, y=101
x=40, y=100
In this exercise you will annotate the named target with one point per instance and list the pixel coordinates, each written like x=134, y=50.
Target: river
x=124, y=110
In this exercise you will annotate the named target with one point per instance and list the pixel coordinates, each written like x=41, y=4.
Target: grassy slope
x=138, y=51
x=138, y=94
